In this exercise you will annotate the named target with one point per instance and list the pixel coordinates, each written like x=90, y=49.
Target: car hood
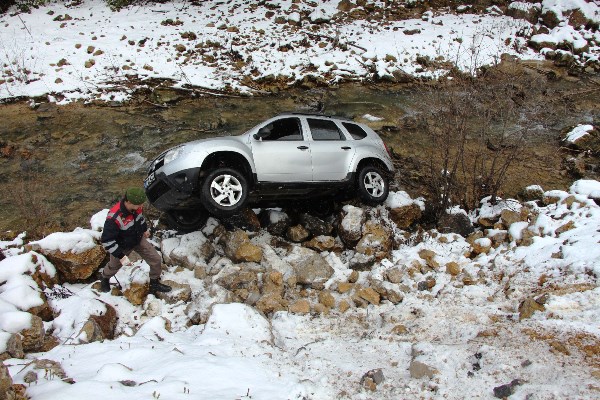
x=202, y=144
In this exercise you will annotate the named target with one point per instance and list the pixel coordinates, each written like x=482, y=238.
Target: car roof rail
x=315, y=114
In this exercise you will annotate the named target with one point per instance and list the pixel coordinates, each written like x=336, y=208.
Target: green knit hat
x=135, y=195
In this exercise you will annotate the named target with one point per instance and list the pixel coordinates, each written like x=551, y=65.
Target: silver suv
x=292, y=157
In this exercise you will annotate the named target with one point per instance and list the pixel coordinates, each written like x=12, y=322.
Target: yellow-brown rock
x=136, y=293
x=343, y=306
x=327, y=299
x=76, y=267
x=369, y=294
x=301, y=306
x=271, y=303
x=405, y=216
x=453, y=268
x=344, y=287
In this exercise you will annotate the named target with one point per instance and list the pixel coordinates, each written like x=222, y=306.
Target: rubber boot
x=156, y=286
x=105, y=285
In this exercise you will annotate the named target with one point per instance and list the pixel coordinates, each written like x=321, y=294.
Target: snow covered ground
x=463, y=336
x=69, y=51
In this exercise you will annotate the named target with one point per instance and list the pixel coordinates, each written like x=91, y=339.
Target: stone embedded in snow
x=11, y=346
x=528, y=307
x=297, y=233
x=371, y=379
x=370, y=295
x=350, y=226
x=237, y=323
x=456, y=222
x=270, y=303
x=321, y=243
x=508, y=217
x=376, y=241
x=300, y=306
x=180, y=292
x=527, y=11
x=482, y=246
x=532, y=193
x=309, y=266
x=420, y=370
x=189, y=251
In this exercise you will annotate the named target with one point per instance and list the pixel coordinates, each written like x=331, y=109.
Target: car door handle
x=303, y=147
x=346, y=147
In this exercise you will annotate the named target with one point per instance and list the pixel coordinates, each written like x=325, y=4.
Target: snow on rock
x=587, y=187
x=578, y=132
x=78, y=241
x=238, y=324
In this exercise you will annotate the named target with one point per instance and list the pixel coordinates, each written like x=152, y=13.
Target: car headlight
x=173, y=154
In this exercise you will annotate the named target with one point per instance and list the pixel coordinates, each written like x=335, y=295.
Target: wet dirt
x=61, y=164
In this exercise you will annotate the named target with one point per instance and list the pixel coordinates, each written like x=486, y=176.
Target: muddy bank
x=61, y=164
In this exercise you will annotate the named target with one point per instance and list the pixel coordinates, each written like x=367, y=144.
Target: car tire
x=186, y=221
x=224, y=192
x=372, y=185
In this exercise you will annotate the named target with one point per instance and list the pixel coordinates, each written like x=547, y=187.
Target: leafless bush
x=32, y=209
x=477, y=129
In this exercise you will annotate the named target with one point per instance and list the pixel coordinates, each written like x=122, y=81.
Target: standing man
x=125, y=230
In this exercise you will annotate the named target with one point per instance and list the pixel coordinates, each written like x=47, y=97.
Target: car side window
x=355, y=131
x=322, y=129
x=284, y=129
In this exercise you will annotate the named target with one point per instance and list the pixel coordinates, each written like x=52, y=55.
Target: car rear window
x=355, y=131
x=322, y=129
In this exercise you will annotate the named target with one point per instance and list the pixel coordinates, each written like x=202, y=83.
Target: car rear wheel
x=186, y=220
x=224, y=191
x=373, y=185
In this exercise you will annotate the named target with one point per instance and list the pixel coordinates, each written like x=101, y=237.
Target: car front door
x=331, y=152
x=282, y=153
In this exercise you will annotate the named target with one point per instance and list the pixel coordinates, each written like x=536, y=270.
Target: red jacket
x=123, y=230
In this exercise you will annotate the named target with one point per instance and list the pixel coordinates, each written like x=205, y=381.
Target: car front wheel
x=373, y=185
x=224, y=191
x=186, y=220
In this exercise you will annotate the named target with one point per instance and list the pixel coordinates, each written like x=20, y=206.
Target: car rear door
x=331, y=151
x=284, y=155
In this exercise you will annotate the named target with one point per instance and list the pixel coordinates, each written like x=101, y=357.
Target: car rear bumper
x=167, y=192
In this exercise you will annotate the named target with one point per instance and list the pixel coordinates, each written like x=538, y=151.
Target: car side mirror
x=262, y=133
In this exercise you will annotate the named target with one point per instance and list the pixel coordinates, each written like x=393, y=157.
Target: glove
x=125, y=261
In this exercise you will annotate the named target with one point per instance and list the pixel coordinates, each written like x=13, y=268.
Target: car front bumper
x=168, y=192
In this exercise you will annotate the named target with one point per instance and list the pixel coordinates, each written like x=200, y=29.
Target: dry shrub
x=476, y=129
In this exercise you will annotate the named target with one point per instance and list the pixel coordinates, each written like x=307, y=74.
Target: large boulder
x=239, y=248
x=376, y=241
x=7, y=390
x=316, y=226
x=189, y=251
x=522, y=10
x=76, y=255
x=276, y=222
x=456, y=222
x=309, y=266
x=106, y=321
x=583, y=138
x=406, y=215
